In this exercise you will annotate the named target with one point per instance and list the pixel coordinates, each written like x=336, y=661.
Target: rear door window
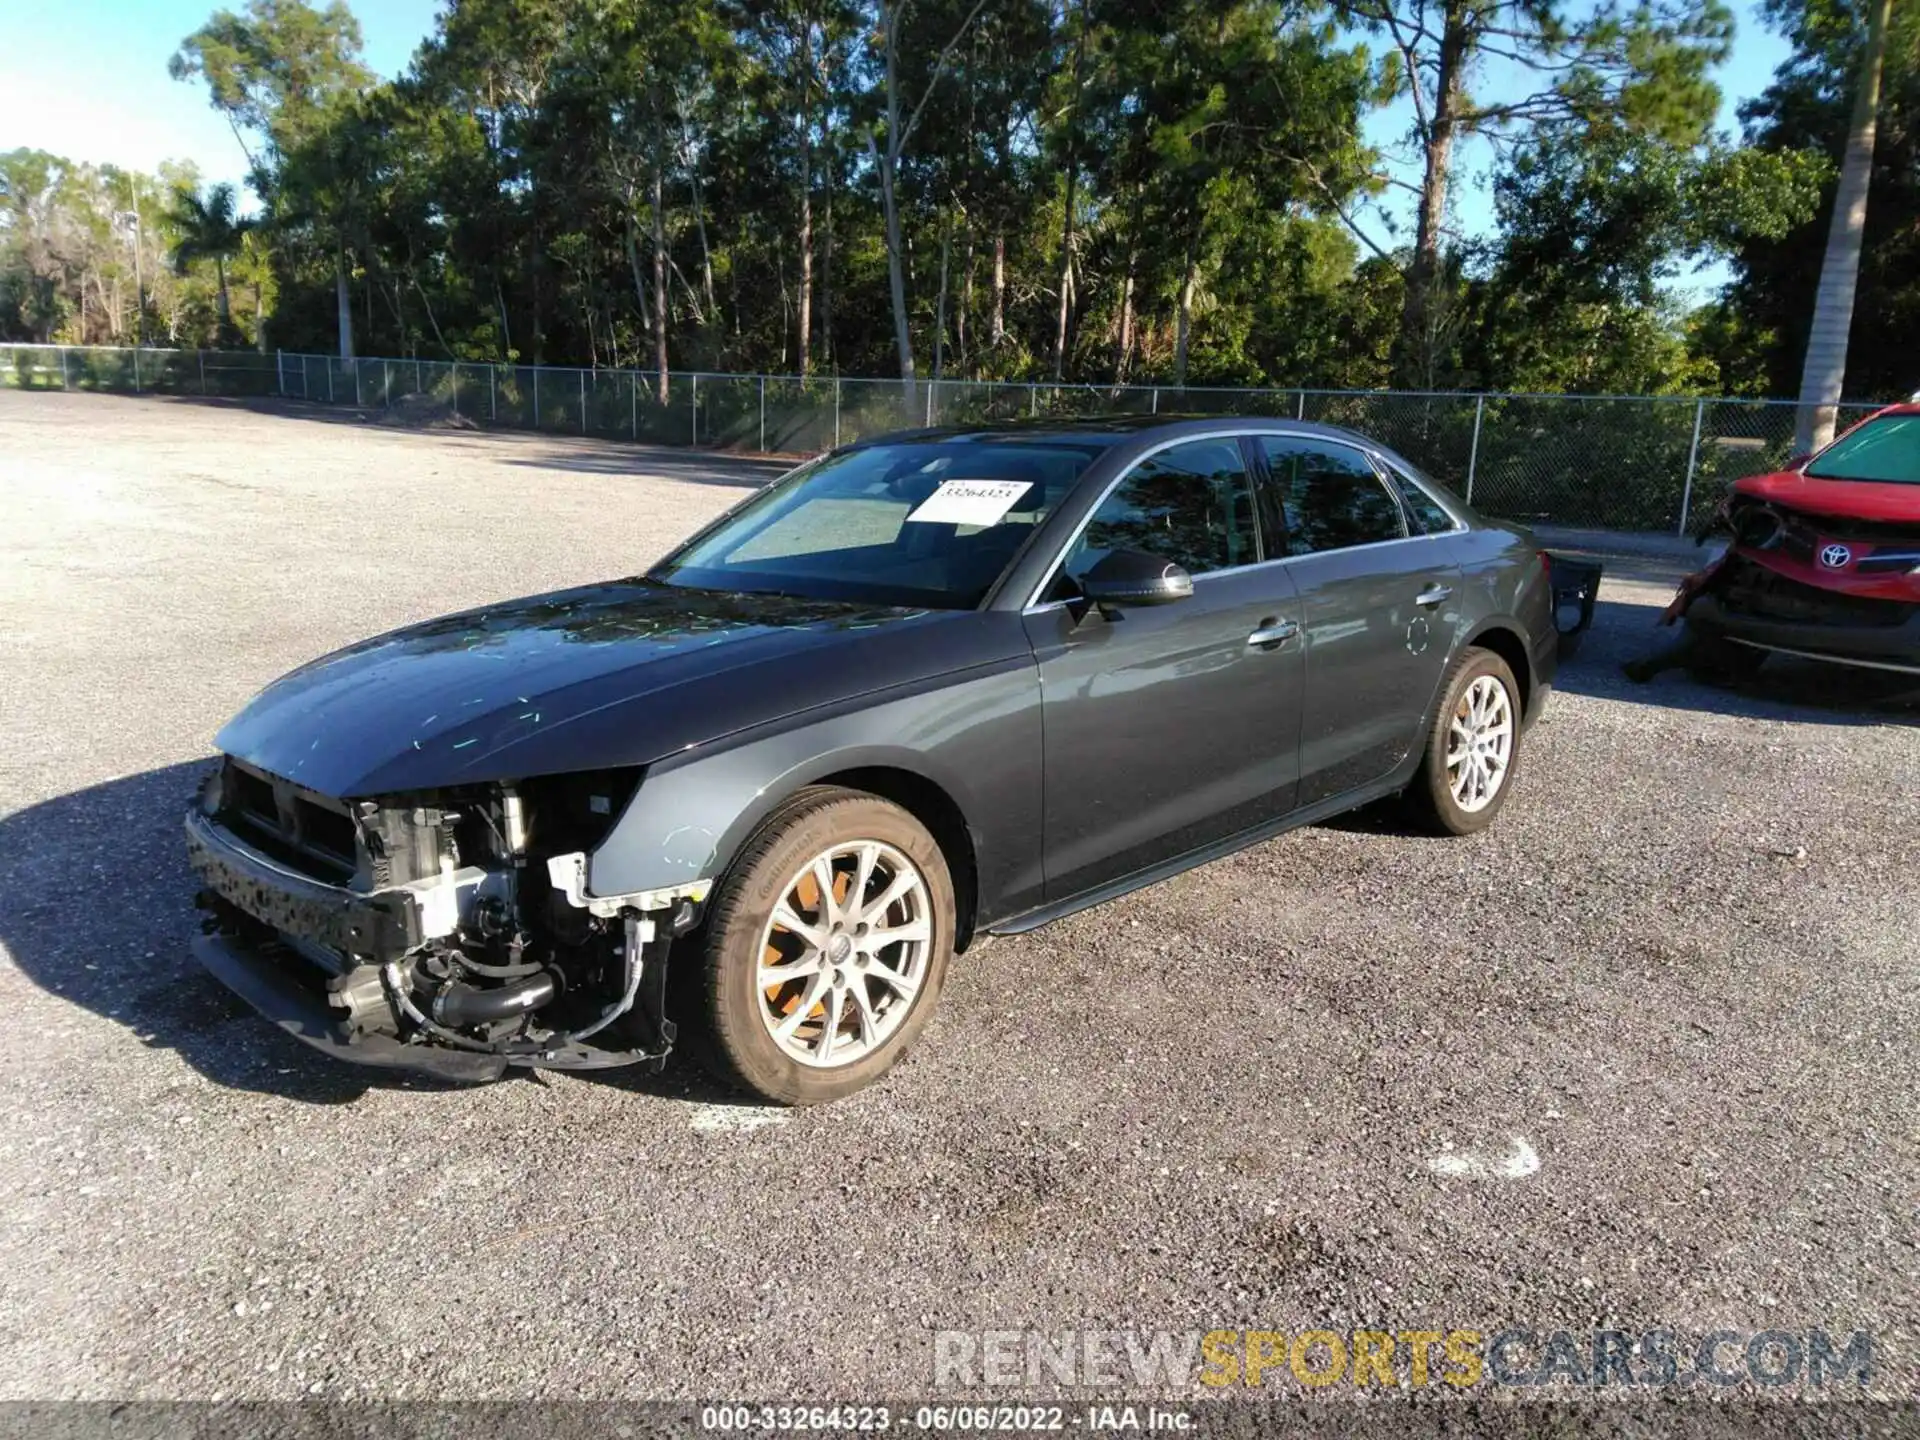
x=1332, y=497
x=1425, y=515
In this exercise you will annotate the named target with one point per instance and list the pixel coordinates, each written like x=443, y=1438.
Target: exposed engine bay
x=448, y=924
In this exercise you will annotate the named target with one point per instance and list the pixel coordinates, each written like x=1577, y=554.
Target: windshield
x=1887, y=450
x=933, y=523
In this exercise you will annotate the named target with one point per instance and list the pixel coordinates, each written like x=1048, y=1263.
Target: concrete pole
x=1473, y=454
x=1693, y=464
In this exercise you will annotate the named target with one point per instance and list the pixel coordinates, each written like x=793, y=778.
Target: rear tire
x=1473, y=747
x=827, y=946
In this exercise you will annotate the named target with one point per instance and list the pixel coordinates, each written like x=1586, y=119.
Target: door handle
x=1273, y=632
x=1433, y=595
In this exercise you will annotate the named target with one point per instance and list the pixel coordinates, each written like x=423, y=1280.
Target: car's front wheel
x=827, y=946
x=1473, y=746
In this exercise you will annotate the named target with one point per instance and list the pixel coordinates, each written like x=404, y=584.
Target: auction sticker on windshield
x=970, y=502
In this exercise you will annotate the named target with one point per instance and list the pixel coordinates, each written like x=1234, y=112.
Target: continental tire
x=827, y=946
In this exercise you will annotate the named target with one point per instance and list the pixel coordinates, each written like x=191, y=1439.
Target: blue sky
x=1757, y=52
x=88, y=79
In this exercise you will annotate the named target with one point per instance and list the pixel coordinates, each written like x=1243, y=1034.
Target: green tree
x=276, y=70
x=1593, y=225
x=81, y=250
x=210, y=228
x=282, y=72
x=1645, y=68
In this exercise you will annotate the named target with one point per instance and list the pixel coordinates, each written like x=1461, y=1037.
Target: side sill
x=1352, y=800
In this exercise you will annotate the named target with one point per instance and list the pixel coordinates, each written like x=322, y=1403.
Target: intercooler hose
x=461, y=1005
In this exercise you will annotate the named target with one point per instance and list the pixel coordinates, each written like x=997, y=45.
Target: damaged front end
x=450, y=931
x=1841, y=589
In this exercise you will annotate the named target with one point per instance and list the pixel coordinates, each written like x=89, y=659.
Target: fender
x=976, y=736
x=1541, y=645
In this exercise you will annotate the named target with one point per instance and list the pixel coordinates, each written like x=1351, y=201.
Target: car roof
x=1106, y=431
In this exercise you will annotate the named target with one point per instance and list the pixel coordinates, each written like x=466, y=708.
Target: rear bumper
x=1875, y=647
x=266, y=982
x=1576, y=586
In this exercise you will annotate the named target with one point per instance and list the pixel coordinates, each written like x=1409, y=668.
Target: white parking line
x=717, y=1119
x=1517, y=1164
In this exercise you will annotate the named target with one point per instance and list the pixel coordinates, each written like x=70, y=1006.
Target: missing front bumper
x=339, y=969
x=270, y=979
x=266, y=982
x=330, y=916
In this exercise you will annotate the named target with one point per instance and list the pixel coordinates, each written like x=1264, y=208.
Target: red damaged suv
x=1824, y=560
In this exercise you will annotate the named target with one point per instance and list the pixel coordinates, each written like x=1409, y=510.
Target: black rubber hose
x=461, y=1005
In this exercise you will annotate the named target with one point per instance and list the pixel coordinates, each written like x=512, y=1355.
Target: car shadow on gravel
x=603, y=457
x=1786, y=688
x=549, y=449
x=96, y=907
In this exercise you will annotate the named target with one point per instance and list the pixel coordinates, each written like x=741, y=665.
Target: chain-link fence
x=1609, y=462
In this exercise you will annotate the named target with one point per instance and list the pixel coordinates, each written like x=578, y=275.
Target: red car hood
x=1850, y=499
x=1855, y=537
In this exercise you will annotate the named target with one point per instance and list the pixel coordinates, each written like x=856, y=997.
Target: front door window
x=1190, y=503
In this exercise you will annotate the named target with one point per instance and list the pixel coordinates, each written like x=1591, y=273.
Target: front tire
x=827, y=946
x=1472, y=748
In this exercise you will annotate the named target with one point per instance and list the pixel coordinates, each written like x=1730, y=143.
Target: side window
x=1428, y=515
x=1191, y=504
x=1333, y=498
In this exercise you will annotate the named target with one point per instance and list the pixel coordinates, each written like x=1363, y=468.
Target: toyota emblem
x=1835, y=557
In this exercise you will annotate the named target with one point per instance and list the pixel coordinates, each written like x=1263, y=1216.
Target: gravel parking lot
x=1679, y=974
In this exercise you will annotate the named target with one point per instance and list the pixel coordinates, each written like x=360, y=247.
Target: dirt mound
x=422, y=412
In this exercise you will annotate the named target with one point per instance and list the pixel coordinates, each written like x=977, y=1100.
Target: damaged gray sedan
x=925, y=687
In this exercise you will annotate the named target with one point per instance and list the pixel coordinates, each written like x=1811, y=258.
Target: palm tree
x=1825, y=371
x=210, y=229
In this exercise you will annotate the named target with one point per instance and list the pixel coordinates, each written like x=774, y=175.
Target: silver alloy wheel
x=844, y=953
x=1480, y=744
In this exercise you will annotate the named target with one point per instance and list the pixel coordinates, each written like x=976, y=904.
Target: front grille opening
x=1755, y=590
x=252, y=795
x=325, y=829
x=309, y=834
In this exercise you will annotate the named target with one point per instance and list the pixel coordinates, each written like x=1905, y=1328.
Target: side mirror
x=1794, y=462
x=1133, y=577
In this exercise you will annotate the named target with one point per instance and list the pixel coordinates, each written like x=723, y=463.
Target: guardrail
x=1612, y=461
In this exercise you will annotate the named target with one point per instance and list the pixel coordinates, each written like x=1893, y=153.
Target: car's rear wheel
x=1473, y=747
x=827, y=946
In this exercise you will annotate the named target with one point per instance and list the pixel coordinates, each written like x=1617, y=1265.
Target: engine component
x=360, y=994
x=406, y=844
x=462, y=1005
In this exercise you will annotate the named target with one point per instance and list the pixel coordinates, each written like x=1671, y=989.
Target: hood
x=1804, y=529
x=1844, y=499
x=603, y=675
